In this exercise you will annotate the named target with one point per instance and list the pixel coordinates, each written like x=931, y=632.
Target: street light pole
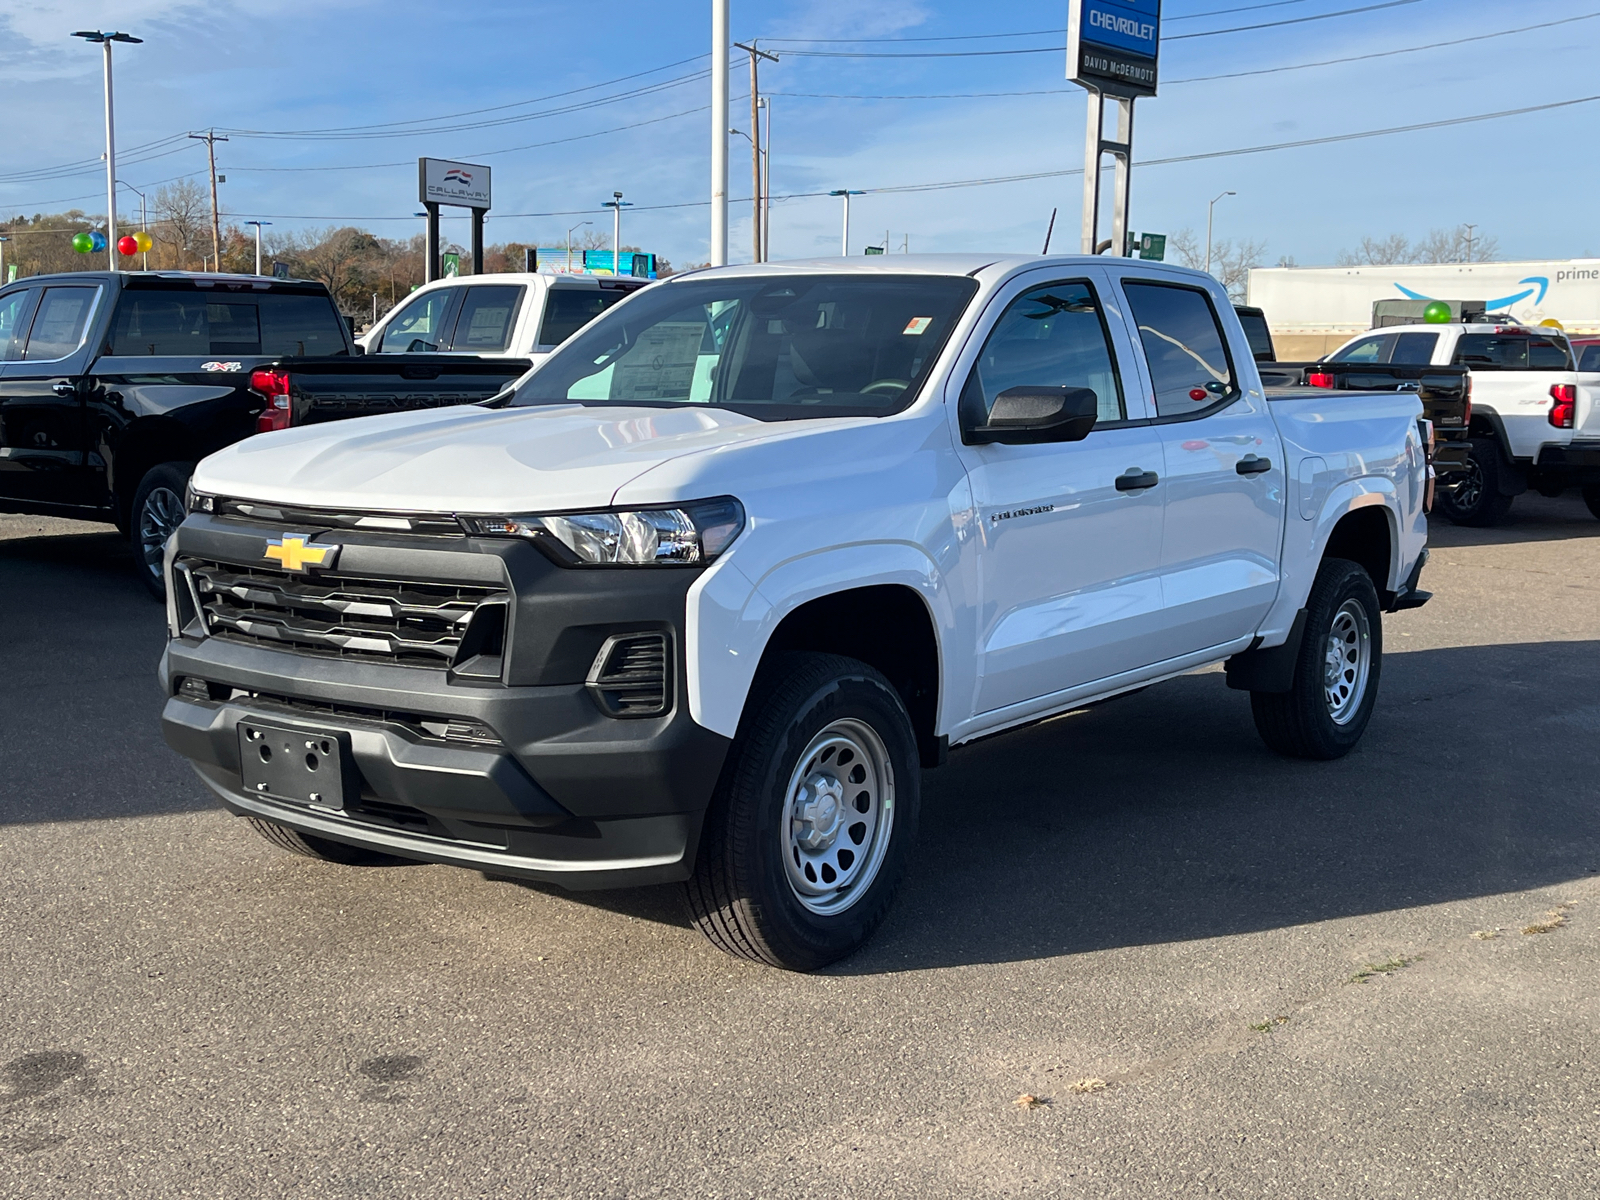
x=579, y=225
x=105, y=40
x=616, y=204
x=258, y=225
x=144, y=223
x=1209, y=209
x=844, y=242
x=719, y=133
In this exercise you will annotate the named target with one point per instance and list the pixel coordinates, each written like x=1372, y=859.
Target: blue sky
x=281, y=66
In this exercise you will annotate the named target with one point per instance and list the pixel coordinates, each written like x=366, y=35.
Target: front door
x=41, y=411
x=1223, y=473
x=1069, y=560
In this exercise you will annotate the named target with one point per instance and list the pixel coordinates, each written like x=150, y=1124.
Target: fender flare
x=731, y=618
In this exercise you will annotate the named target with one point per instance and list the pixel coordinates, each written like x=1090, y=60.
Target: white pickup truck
x=507, y=315
x=703, y=595
x=1534, y=414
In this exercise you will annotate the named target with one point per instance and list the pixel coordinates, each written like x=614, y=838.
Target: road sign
x=1113, y=45
x=874, y=250
x=441, y=181
x=280, y=270
x=1153, y=247
x=452, y=264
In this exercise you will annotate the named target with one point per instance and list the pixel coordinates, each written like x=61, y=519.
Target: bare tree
x=183, y=215
x=1440, y=246
x=1230, y=261
x=1186, y=248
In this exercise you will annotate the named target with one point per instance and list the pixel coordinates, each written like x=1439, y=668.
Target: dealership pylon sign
x=465, y=185
x=1113, y=49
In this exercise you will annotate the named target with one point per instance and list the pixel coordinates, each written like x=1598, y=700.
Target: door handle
x=1251, y=465
x=65, y=388
x=1133, y=480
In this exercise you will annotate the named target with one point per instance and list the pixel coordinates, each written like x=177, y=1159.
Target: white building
x=1311, y=310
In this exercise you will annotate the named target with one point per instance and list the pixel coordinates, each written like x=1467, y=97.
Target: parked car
x=700, y=598
x=515, y=315
x=114, y=384
x=1535, y=417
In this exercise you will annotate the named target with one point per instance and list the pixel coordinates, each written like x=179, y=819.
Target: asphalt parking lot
x=1285, y=979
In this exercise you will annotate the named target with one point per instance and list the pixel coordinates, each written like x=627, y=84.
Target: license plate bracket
x=297, y=763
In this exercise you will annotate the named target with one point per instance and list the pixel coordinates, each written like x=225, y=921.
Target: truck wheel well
x=886, y=626
x=146, y=444
x=1363, y=537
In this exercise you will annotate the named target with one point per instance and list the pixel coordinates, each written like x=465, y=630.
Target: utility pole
x=1469, y=229
x=105, y=40
x=719, y=133
x=258, y=225
x=211, y=138
x=766, y=182
x=3, y=241
x=756, y=55
x=1209, y=209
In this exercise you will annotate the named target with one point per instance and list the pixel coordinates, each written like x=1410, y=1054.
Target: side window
x=1591, y=358
x=1414, y=349
x=1367, y=350
x=1050, y=336
x=1184, y=345
x=13, y=312
x=418, y=327
x=487, y=315
x=569, y=309
x=59, y=326
x=1548, y=354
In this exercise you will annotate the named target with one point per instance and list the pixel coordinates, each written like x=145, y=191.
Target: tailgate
x=371, y=385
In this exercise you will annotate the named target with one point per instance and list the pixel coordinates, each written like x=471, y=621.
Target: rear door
x=1069, y=561
x=1223, y=473
x=42, y=438
x=486, y=318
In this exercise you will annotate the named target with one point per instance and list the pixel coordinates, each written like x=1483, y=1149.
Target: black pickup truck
x=1445, y=392
x=114, y=384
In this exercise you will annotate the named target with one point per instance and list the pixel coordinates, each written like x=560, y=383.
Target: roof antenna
x=1048, y=232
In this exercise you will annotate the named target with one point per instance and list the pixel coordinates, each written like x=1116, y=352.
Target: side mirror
x=1024, y=416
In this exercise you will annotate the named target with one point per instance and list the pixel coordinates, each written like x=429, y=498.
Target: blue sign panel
x=1113, y=45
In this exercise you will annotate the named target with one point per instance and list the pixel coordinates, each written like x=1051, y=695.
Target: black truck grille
x=629, y=677
x=419, y=624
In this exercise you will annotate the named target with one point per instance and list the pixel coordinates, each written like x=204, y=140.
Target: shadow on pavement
x=80, y=734
x=1533, y=518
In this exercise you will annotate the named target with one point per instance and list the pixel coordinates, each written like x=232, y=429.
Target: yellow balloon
x=1552, y=323
x=144, y=241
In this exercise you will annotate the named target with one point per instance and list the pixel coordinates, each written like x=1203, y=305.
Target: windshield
x=774, y=347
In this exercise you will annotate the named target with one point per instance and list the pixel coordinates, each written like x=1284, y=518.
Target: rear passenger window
x=1590, y=360
x=1184, y=345
x=1414, y=349
x=487, y=315
x=59, y=326
x=13, y=311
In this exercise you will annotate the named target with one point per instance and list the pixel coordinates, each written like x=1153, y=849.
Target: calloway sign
x=444, y=182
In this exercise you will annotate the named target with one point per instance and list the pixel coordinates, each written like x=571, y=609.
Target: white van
x=511, y=315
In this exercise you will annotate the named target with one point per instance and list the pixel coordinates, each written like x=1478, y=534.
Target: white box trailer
x=1312, y=310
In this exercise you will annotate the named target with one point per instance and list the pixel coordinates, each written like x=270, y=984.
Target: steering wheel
x=891, y=386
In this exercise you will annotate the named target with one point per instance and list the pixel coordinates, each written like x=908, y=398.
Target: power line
x=979, y=37
x=998, y=179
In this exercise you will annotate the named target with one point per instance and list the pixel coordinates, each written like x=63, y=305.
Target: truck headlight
x=194, y=501
x=685, y=534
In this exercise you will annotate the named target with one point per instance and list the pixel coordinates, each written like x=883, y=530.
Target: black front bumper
x=527, y=775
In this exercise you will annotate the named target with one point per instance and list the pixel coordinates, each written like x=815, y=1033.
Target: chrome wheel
x=1469, y=490
x=838, y=815
x=1348, y=661
x=162, y=513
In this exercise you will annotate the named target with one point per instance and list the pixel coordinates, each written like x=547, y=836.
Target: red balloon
x=127, y=246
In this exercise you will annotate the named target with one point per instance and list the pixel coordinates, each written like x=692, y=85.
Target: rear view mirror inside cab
x=1029, y=415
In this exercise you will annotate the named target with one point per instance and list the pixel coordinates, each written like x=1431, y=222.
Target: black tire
x=156, y=502
x=741, y=895
x=326, y=849
x=1476, y=498
x=1317, y=718
x=1591, y=497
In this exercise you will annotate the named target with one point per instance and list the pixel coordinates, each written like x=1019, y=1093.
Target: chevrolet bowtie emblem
x=292, y=551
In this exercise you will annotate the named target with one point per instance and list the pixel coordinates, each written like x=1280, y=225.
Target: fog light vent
x=630, y=676
x=194, y=689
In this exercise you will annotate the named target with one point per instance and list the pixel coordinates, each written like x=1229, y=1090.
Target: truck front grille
x=630, y=677
x=418, y=624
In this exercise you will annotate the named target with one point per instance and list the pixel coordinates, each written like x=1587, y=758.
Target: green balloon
x=1437, y=313
x=82, y=243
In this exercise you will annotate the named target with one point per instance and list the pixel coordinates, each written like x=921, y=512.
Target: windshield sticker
x=917, y=326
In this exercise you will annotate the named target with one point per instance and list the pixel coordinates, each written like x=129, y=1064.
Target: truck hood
x=471, y=459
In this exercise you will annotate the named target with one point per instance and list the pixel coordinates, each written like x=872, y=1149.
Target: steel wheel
x=838, y=816
x=162, y=513
x=1348, y=661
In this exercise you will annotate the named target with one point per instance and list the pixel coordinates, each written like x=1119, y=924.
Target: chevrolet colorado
x=700, y=598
